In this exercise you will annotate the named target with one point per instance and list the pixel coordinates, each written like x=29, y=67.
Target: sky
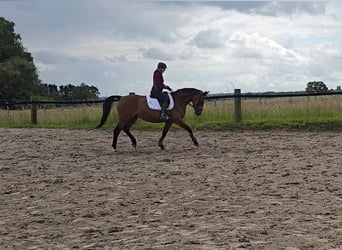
x=214, y=46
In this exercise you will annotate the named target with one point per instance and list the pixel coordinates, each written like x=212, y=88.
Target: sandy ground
x=67, y=189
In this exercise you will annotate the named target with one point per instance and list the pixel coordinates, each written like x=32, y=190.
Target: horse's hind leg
x=128, y=133
x=133, y=140
x=117, y=131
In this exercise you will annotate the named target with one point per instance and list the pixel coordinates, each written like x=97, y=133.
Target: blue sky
x=210, y=45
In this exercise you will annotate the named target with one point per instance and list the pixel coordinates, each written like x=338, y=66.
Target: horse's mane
x=186, y=90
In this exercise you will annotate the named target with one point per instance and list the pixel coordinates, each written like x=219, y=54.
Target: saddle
x=153, y=103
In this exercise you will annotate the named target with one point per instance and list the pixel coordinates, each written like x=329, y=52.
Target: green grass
x=70, y=117
x=291, y=113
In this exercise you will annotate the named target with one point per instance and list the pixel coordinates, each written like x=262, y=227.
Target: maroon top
x=158, y=82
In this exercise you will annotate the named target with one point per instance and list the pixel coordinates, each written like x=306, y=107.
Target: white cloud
x=157, y=54
x=261, y=48
x=115, y=45
x=207, y=39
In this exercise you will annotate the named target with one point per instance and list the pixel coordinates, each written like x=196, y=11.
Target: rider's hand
x=168, y=88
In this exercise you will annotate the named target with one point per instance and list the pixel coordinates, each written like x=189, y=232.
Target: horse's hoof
x=196, y=144
x=160, y=144
x=134, y=145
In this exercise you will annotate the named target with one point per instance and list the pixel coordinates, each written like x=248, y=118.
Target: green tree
x=85, y=92
x=65, y=92
x=82, y=92
x=316, y=87
x=18, y=79
x=18, y=74
x=50, y=91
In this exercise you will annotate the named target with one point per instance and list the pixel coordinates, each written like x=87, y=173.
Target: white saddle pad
x=153, y=103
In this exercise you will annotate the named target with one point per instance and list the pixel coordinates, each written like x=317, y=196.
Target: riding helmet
x=162, y=65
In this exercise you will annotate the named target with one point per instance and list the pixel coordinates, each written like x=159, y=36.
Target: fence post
x=34, y=109
x=237, y=104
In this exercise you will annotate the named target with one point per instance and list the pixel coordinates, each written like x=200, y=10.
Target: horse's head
x=195, y=96
x=198, y=102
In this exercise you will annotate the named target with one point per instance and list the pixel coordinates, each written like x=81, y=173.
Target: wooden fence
x=237, y=96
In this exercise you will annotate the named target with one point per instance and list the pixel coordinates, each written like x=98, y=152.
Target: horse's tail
x=107, y=106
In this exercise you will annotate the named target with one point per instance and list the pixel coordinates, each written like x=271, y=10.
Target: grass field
x=324, y=112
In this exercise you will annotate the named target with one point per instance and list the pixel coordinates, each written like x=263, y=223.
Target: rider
x=157, y=90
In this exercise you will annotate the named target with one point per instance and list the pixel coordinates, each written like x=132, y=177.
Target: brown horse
x=132, y=107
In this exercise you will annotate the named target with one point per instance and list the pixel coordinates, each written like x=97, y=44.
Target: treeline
x=69, y=92
x=19, y=78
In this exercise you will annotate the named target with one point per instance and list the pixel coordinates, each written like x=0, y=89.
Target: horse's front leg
x=165, y=130
x=182, y=124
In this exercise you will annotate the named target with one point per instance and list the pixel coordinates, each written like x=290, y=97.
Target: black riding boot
x=163, y=114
